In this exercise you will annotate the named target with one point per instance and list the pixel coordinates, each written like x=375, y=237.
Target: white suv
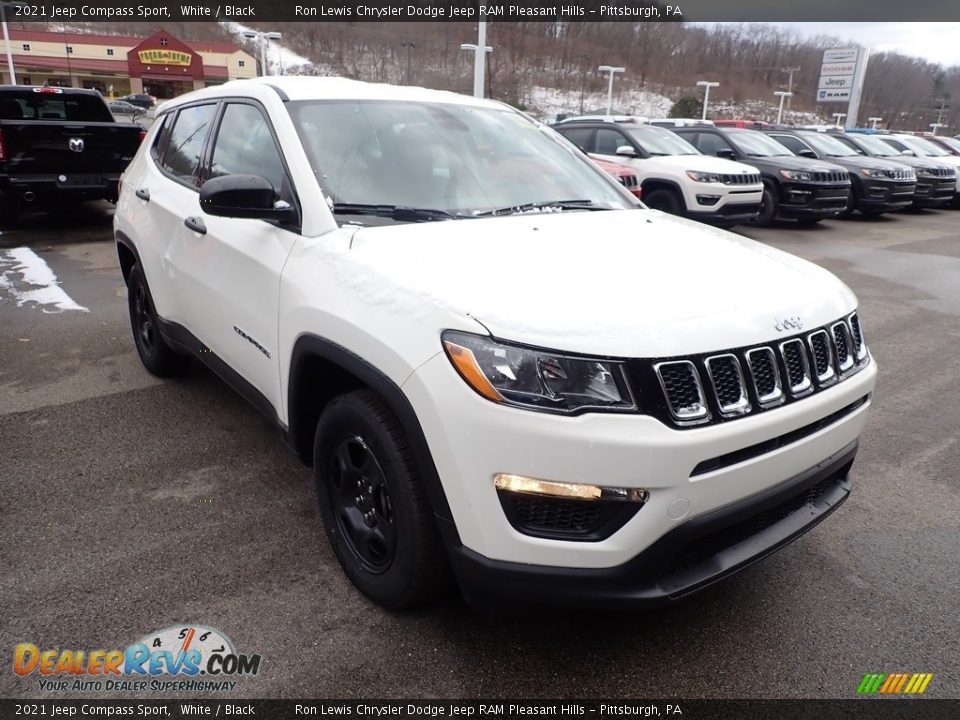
x=494, y=358
x=674, y=175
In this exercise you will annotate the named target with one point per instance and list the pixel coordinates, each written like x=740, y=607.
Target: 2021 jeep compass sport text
x=495, y=359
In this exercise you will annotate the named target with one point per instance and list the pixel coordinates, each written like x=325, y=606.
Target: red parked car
x=622, y=173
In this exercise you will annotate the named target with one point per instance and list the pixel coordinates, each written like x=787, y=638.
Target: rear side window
x=182, y=155
x=578, y=136
x=51, y=104
x=709, y=143
x=245, y=146
x=794, y=143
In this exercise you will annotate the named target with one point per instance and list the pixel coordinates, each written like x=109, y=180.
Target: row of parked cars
x=732, y=174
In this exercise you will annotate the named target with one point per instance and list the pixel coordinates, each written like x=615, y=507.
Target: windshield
x=755, y=144
x=657, y=141
x=876, y=146
x=924, y=147
x=456, y=159
x=826, y=145
x=950, y=143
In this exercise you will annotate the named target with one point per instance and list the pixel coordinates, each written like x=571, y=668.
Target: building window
x=241, y=63
x=110, y=51
x=26, y=47
x=164, y=42
x=26, y=80
x=69, y=49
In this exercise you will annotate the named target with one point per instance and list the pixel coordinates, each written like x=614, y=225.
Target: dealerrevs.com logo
x=183, y=658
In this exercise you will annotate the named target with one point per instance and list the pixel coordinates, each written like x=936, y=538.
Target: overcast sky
x=937, y=42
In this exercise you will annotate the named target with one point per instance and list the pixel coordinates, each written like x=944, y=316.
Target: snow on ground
x=546, y=103
x=280, y=59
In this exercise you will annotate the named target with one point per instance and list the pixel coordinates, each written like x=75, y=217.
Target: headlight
x=537, y=379
x=796, y=174
x=704, y=176
x=872, y=173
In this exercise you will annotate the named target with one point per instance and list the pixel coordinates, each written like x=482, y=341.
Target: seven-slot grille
x=629, y=181
x=831, y=177
x=742, y=179
x=901, y=174
x=732, y=384
x=940, y=171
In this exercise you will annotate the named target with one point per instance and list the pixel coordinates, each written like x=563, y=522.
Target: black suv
x=140, y=100
x=794, y=187
x=879, y=185
x=936, y=183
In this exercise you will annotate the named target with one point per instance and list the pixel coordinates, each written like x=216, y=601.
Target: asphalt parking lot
x=128, y=505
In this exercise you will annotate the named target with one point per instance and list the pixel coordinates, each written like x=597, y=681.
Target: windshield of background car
x=657, y=141
x=924, y=147
x=829, y=146
x=457, y=158
x=951, y=143
x=877, y=147
x=755, y=144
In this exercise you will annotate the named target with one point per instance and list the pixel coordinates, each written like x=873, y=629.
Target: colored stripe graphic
x=894, y=683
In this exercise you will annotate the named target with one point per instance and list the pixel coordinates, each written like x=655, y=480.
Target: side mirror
x=726, y=153
x=807, y=153
x=907, y=152
x=244, y=196
x=626, y=151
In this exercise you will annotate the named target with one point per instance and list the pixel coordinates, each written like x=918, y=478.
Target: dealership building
x=161, y=65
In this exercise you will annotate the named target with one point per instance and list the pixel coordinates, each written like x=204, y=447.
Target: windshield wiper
x=546, y=206
x=400, y=213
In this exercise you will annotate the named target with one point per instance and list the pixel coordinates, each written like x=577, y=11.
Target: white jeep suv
x=495, y=359
x=674, y=175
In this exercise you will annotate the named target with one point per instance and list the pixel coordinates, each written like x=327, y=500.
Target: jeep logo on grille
x=75, y=144
x=788, y=323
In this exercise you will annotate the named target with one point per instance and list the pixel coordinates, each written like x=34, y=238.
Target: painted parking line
x=37, y=282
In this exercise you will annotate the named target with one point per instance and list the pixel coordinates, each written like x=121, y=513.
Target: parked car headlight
x=704, y=177
x=537, y=379
x=796, y=174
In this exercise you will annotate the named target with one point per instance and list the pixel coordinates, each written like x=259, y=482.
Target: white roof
x=302, y=87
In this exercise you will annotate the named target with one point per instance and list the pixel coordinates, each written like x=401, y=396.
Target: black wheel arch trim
x=315, y=346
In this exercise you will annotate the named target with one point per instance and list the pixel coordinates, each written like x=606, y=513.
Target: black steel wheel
x=157, y=357
x=374, y=507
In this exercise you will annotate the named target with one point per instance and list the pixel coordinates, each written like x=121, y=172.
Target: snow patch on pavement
x=37, y=283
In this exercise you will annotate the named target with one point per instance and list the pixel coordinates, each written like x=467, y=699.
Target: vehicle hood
x=862, y=161
x=701, y=163
x=795, y=162
x=630, y=283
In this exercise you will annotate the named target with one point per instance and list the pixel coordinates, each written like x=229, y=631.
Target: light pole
x=706, y=85
x=480, y=51
x=409, y=46
x=936, y=126
x=782, y=95
x=612, y=70
x=790, y=71
x=874, y=121
x=6, y=39
x=262, y=38
x=839, y=117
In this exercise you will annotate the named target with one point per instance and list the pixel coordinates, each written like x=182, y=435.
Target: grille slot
x=842, y=344
x=823, y=365
x=729, y=388
x=683, y=390
x=856, y=332
x=797, y=367
x=766, y=377
x=831, y=177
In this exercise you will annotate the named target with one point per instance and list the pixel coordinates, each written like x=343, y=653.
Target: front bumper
x=720, y=202
x=933, y=191
x=688, y=559
x=883, y=195
x=472, y=439
x=812, y=200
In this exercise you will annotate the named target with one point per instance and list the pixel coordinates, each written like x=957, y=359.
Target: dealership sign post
x=841, y=79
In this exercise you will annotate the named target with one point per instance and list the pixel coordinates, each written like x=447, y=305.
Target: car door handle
x=196, y=224
x=143, y=194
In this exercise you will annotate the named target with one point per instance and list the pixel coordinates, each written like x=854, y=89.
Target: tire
x=9, y=212
x=157, y=357
x=374, y=506
x=666, y=200
x=769, y=207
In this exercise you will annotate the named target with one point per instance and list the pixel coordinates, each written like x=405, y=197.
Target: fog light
x=573, y=491
x=708, y=199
